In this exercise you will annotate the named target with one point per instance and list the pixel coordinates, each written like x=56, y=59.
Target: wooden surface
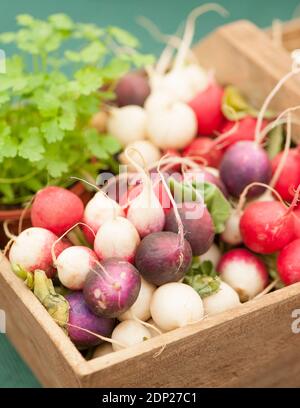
x=287, y=34
x=242, y=54
x=249, y=346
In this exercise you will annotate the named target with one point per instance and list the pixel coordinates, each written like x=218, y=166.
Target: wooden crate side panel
x=243, y=55
x=288, y=34
x=250, y=346
x=43, y=345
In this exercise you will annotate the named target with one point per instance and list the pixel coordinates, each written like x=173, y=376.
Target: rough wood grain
x=242, y=54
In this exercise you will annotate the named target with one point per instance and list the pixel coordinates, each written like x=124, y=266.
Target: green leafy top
x=202, y=276
x=47, y=96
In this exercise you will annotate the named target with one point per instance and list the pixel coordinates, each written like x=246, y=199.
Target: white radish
x=232, y=235
x=145, y=211
x=98, y=210
x=144, y=153
x=213, y=255
x=73, y=264
x=226, y=298
x=158, y=100
x=154, y=331
x=175, y=305
x=129, y=333
x=117, y=238
x=32, y=250
x=127, y=124
x=244, y=272
x=173, y=127
x=141, y=307
x=103, y=350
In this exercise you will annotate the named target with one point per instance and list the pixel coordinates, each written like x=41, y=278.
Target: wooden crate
x=286, y=34
x=250, y=346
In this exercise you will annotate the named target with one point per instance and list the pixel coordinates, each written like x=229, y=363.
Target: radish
x=117, y=238
x=145, y=211
x=172, y=127
x=73, y=265
x=288, y=263
x=56, y=209
x=267, y=226
x=141, y=307
x=132, y=89
x=162, y=257
x=81, y=319
x=127, y=124
x=144, y=153
x=175, y=305
x=98, y=210
x=103, y=350
x=31, y=250
x=129, y=333
x=225, y=299
x=289, y=178
x=197, y=224
x=297, y=222
x=213, y=255
x=111, y=287
x=154, y=329
x=244, y=272
x=232, y=234
x=207, y=175
x=245, y=130
x=204, y=148
x=207, y=106
x=243, y=163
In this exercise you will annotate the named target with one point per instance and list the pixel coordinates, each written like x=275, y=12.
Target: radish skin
x=288, y=263
x=127, y=124
x=213, y=255
x=144, y=153
x=32, y=250
x=244, y=272
x=225, y=299
x=117, y=238
x=73, y=265
x=103, y=350
x=141, y=307
x=232, y=234
x=129, y=333
x=176, y=305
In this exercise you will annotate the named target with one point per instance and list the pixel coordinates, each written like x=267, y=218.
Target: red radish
x=207, y=106
x=117, y=238
x=242, y=164
x=290, y=175
x=82, y=321
x=145, y=211
x=111, y=287
x=56, y=209
x=32, y=250
x=288, y=263
x=197, y=224
x=73, y=265
x=297, y=222
x=245, y=130
x=204, y=148
x=162, y=257
x=244, y=272
x=98, y=210
x=267, y=226
x=132, y=89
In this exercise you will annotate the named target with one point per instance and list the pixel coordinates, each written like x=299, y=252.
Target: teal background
x=167, y=14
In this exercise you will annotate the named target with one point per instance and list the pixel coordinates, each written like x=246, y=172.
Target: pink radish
x=205, y=148
x=73, y=265
x=111, y=287
x=56, y=209
x=32, y=250
x=98, y=210
x=145, y=211
x=288, y=263
x=207, y=106
x=297, y=222
x=117, y=238
x=244, y=272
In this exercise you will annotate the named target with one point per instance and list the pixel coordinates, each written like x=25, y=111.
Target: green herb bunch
x=63, y=72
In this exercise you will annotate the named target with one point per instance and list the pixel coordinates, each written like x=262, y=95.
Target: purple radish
x=82, y=319
x=132, y=89
x=163, y=257
x=112, y=287
x=197, y=224
x=242, y=164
